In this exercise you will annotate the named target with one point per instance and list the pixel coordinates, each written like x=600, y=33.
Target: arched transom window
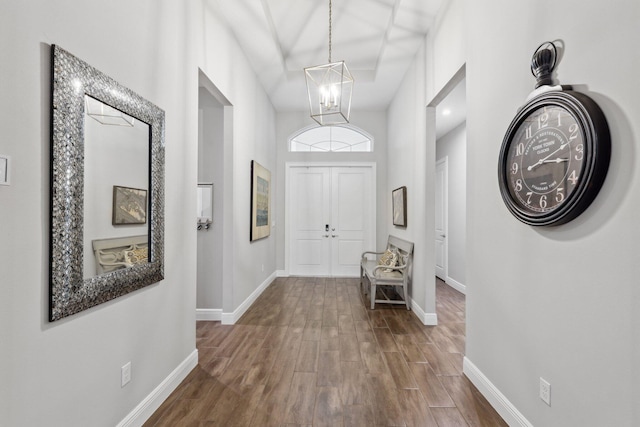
x=337, y=138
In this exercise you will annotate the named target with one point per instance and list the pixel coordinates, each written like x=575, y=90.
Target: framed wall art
x=399, y=200
x=260, y=202
x=129, y=206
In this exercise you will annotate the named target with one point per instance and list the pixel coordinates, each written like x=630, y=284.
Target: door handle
x=334, y=235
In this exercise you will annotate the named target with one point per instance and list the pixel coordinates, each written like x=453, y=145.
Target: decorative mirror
x=107, y=188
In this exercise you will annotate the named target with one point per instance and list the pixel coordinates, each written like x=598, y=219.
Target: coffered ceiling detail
x=378, y=39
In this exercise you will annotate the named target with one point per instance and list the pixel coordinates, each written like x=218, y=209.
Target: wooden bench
x=397, y=277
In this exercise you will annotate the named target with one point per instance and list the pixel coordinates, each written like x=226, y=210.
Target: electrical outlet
x=545, y=391
x=263, y=268
x=125, y=374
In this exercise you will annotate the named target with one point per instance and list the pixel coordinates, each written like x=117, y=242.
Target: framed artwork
x=4, y=170
x=129, y=206
x=399, y=197
x=260, y=202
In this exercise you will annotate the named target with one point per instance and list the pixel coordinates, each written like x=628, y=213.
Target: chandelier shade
x=329, y=87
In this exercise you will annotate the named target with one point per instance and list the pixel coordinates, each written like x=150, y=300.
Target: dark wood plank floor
x=310, y=353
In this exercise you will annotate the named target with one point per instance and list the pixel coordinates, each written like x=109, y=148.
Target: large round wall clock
x=555, y=154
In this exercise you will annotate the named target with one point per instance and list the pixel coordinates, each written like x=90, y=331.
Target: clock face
x=545, y=159
x=554, y=158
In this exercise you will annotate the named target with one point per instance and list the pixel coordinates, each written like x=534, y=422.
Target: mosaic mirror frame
x=69, y=293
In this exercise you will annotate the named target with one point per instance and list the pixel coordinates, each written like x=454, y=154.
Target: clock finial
x=543, y=62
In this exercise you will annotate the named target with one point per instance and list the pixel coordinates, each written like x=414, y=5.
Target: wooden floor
x=310, y=353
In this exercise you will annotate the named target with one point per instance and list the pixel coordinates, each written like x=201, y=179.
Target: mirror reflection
x=116, y=186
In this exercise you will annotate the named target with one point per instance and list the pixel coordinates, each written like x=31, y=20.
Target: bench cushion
x=388, y=259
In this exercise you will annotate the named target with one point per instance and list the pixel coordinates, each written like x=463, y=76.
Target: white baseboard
x=282, y=273
x=500, y=403
x=152, y=402
x=456, y=285
x=430, y=319
x=232, y=318
x=210, y=314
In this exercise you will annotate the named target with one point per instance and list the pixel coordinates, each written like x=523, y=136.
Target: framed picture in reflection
x=129, y=206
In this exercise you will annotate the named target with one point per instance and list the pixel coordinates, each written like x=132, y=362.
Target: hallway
x=309, y=353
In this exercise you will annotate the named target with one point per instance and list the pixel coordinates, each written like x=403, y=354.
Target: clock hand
x=558, y=160
x=541, y=161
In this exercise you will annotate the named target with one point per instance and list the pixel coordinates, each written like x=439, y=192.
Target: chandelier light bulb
x=329, y=89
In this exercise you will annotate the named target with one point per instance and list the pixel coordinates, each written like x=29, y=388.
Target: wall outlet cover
x=545, y=391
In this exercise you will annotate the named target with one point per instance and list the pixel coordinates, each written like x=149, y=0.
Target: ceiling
x=377, y=39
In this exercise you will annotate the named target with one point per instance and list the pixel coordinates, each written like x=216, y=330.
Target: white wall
x=453, y=146
x=254, y=138
x=373, y=122
x=411, y=162
x=67, y=373
x=446, y=47
x=560, y=303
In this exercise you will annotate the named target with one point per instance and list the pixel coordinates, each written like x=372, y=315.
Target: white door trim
x=444, y=163
x=287, y=201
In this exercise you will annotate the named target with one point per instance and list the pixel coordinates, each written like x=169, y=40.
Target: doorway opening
x=214, y=148
x=450, y=181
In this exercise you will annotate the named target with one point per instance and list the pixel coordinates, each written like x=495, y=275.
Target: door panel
x=351, y=213
x=310, y=193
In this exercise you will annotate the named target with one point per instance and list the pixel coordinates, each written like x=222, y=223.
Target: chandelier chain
x=329, y=31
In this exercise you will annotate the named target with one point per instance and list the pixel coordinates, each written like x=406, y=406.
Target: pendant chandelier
x=329, y=87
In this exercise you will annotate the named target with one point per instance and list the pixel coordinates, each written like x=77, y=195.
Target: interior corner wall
x=67, y=373
x=372, y=122
x=411, y=163
x=254, y=138
x=453, y=146
x=445, y=46
x=562, y=303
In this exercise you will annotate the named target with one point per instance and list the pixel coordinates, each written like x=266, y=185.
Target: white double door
x=331, y=219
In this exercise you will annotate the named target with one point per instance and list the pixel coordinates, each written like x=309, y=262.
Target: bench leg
x=404, y=296
x=372, y=291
